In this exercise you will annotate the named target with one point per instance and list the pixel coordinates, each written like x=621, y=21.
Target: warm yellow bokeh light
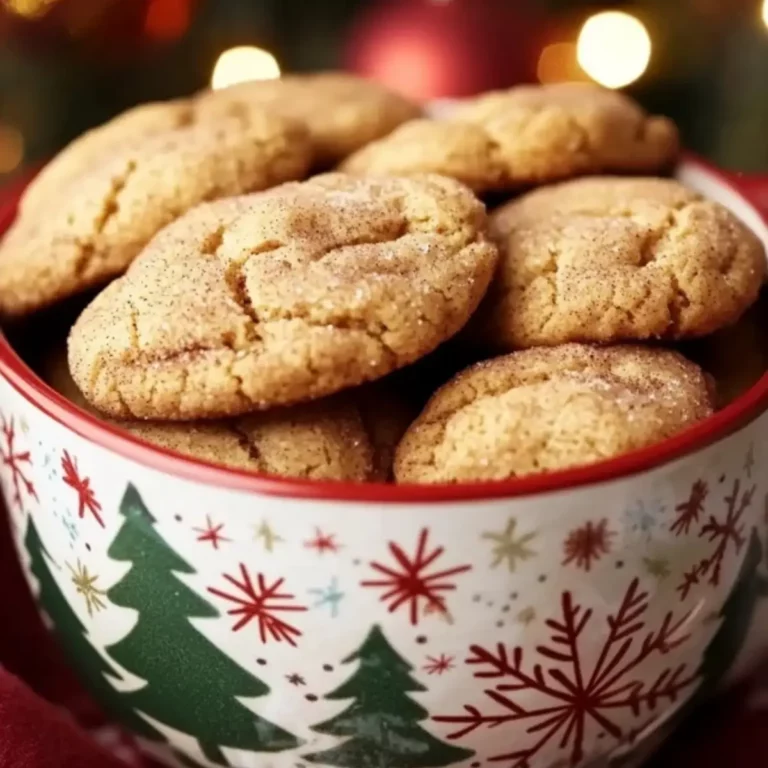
x=765, y=12
x=29, y=9
x=11, y=148
x=614, y=48
x=557, y=64
x=244, y=63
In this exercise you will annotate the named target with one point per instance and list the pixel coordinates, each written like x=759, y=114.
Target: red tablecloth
x=46, y=721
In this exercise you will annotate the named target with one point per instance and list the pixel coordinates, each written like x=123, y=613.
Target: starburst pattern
x=86, y=498
x=85, y=585
x=266, y=534
x=722, y=534
x=642, y=518
x=567, y=697
x=211, y=533
x=260, y=602
x=689, y=511
x=509, y=547
x=14, y=460
x=527, y=616
x=408, y=583
x=330, y=596
x=587, y=543
x=295, y=679
x=323, y=542
x=658, y=567
x=439, y=665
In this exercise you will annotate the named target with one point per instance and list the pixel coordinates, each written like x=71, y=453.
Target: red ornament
x=445, y=48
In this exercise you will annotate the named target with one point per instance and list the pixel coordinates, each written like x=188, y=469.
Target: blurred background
x=66, y=65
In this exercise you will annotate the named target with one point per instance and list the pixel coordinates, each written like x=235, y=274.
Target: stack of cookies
x=254, y=308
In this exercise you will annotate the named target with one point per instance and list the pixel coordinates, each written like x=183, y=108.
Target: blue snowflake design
x=642, y=518
x=330, y=596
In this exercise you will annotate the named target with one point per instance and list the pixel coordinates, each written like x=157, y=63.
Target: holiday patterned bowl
x=229, y=619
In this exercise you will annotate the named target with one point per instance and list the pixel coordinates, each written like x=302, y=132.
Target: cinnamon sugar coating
x=289, y=295
x=616, y=259
x=551, y=408
x=349, y=437
x=91, y=211
x=527, y=135
x=343, y=112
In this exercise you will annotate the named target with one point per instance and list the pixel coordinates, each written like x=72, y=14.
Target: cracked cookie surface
x=541, y=410
x=616, y=259
x=285, y=296
x=86, y=218
x=350, y=436
x=342, y=112
x=527, y=135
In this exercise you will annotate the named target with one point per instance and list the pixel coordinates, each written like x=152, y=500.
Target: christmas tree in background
x=71, y=632
x=191, y=685
x=382, y=721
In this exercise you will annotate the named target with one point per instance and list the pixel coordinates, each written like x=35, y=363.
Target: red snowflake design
x=721, y=534
x=258, y=604
x=407, y=582
x=588, y=543
x=573, y=695
x=211, y=533
x=323, y=542
x=86, y=499
x=689, y=511
x=437, y=665
x=14, y=460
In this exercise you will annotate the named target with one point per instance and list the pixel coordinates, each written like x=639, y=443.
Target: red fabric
x=36, y=733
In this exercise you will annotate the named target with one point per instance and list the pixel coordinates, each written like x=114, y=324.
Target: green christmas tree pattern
x=191, y=686
x=382, y=721
x=71, y=632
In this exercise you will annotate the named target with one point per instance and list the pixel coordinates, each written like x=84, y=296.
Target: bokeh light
x=558, y=64
x=765, y=12
x=242, y=64
x=29, y=9
x=614, y=48
x=11, y=148
x=167, y=19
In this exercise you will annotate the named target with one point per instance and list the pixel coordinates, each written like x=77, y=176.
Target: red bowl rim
x=736, y=415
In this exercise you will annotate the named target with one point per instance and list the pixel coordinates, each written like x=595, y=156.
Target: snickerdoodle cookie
x=529, y=134
x=350, y=436
x=547, y=409
x=342, y=112
x=616, y=259
x=108, y=194
x=93, y=146
x=285, y=296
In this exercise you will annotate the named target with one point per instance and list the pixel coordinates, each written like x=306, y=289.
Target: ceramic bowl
x=229, y=619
